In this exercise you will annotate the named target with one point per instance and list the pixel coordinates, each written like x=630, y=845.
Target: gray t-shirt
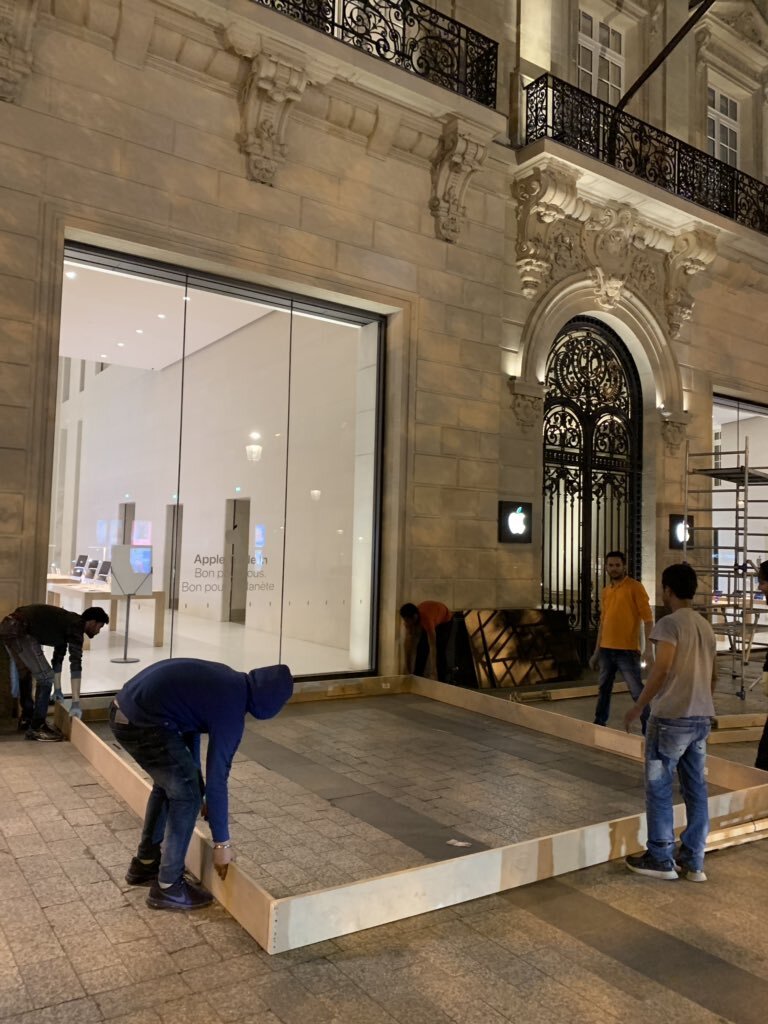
x=688, y=687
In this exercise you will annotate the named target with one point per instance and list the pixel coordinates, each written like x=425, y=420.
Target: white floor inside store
x=193, y=637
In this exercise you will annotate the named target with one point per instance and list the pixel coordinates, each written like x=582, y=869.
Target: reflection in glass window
x=600, y=59
x=722, y=127
x=236, y=438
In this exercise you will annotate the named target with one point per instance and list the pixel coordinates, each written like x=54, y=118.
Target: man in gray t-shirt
x=679, y=691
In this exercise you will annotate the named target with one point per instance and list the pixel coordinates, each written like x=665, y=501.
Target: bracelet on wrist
x=223, y=846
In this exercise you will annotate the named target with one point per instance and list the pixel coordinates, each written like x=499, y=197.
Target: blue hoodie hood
x=268, y=690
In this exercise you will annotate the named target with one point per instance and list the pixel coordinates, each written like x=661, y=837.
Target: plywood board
x=313, y=917
x=739, y=721
x=735, y=735
x=283, y=924
x=245, y=900
x=568, y=692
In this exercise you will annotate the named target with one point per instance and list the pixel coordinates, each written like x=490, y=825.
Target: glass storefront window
x=235, y=433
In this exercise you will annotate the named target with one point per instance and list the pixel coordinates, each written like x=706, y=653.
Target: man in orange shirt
x=624, y=606
x=421, y=624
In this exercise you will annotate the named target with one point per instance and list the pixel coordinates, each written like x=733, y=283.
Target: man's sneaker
x=691, y=874
x=683, y=859
x=139, y=873
x=644, y=864
x=45, y=734
x=182, y=895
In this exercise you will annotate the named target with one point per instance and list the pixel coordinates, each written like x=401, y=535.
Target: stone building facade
x=222, y=135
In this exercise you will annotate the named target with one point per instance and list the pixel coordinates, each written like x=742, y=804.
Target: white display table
x=85, y=595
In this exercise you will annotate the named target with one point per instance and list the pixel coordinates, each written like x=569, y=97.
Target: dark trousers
x=174, y=802
x=30, y=663
x=762, y=749
x=444, y=654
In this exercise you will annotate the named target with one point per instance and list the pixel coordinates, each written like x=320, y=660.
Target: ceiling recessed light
x=121, y=344
x=71, y=274
x=139, y=330
x=186, y=298
x=277, y=435
x=103, y=355
x=161, y=316
x=255, y=435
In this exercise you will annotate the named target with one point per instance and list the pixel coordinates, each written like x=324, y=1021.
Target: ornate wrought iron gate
x=592, y=469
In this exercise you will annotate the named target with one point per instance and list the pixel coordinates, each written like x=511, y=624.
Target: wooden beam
x=739, y=721
x=735, y=736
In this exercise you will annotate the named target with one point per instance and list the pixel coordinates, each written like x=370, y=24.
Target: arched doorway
x=592, y=469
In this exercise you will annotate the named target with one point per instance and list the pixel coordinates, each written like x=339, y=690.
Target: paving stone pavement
x=77, y=945
x=336, y=791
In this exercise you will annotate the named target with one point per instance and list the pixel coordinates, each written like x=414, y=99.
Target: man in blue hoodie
x=158, y=718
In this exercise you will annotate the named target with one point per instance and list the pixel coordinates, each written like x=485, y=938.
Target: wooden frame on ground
x=293, y=921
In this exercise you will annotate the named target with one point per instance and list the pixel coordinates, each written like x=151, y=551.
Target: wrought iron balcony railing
x=559, y=111
x=408, y=34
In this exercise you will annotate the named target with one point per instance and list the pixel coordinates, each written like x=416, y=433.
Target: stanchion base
x=124, y=661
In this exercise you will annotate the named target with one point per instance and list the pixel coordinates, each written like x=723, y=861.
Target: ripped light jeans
x=677, y=745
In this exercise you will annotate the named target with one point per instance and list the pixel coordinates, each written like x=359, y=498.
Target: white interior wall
x=753, y=429
x=235, y=386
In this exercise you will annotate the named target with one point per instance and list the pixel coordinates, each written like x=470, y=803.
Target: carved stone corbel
x=460, y=153
x=693, y=251
x=527, y=405
x=674, y=430
x=610, y=240
x=17, y=23
x=273, y=85
x=544, y=197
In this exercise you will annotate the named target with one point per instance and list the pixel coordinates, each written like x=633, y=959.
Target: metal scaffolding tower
x=724, y=538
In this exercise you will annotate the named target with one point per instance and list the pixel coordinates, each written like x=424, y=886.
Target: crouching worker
x=158, y=718
x=24, y=633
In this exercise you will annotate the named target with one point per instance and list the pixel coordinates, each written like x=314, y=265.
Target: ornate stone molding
x=527, y=405
x=17, y=23
x=460, y=153
x=610, y=238
x=544, y=197
x=692, y=253
x=674, y=430
x=560, y=234
x=277, y=78
x=273, y=85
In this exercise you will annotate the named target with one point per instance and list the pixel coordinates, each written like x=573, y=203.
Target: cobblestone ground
x=78, y=945
x=337, y=791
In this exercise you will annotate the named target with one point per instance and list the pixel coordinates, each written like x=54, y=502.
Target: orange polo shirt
x=625, y=606
x=432, y=614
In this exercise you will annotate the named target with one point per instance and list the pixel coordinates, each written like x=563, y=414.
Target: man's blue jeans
x=612, y=660
x=677, y=745
x=174, y=802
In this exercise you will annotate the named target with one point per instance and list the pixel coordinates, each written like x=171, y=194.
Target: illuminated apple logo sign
x=515, y=519
x=680, y=532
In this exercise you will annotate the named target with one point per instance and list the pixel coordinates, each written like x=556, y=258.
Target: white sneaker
x=690, y=875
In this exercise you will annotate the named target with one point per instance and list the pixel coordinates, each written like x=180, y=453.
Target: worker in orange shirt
x=421, y=623
x=625, y=606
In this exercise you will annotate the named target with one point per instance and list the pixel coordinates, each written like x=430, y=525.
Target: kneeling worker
x=158, y=718
x=24, y=632
x=421, y=642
